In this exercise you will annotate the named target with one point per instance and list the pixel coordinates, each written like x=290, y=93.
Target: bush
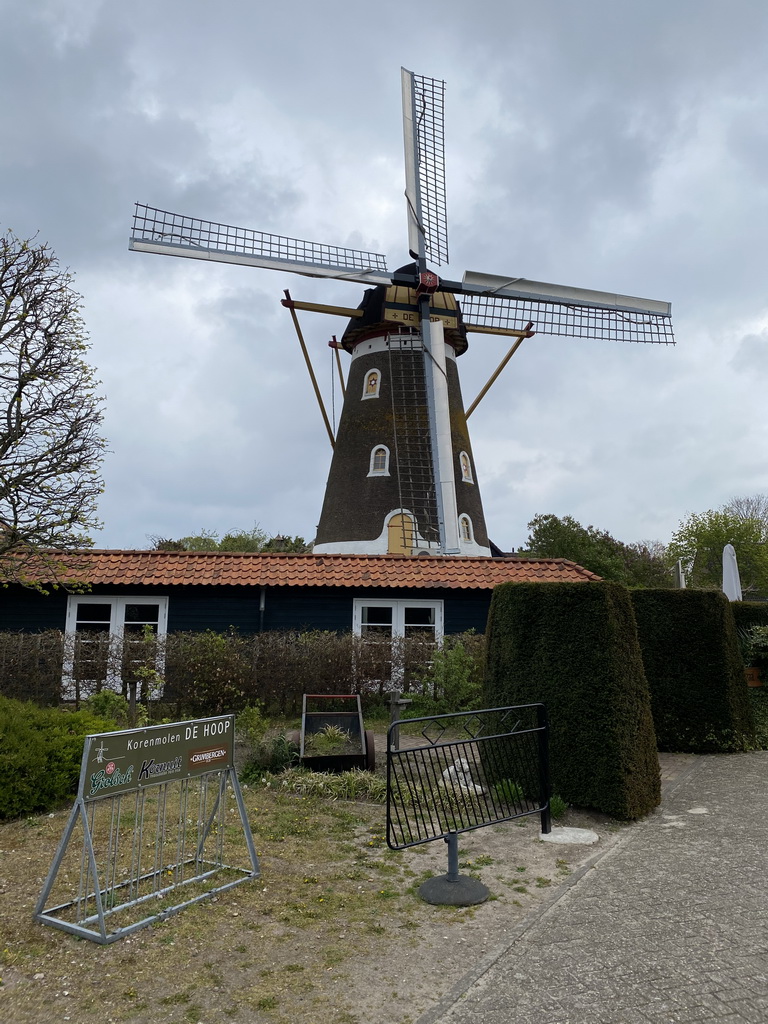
x=40, y=754
x=31, y=666
x=694, y=669
x=750, y=613
x=573, y=647
x=454, y=679
x=211, y=673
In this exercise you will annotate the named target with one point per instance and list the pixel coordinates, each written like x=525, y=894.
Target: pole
x=491, y=380
x=289, y=305
x=544, y=781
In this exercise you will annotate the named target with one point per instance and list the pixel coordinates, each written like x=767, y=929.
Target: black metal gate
x=464, y=771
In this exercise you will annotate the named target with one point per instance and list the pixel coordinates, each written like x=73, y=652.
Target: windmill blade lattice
x=493, y=312
x=424, y=118
x=174, y=234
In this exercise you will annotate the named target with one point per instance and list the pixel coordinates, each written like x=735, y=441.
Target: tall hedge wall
x=694, y=669
x=573, y=646
x=750, y=613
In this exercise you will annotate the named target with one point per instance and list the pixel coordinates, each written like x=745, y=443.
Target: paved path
x=669, y=925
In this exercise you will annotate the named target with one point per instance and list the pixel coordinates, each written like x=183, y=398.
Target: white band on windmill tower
x=445, y=477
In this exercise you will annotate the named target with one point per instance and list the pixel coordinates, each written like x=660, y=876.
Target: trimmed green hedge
x=750, y=613
x=40, y=754
x=694, y=669
x=573, y=646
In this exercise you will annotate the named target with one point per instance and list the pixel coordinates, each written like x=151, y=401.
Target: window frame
x=466, y=477
x=371, y=394
x=379, y=472
x=396, y=677
x=118, y=604
x=469, y=536
x=398, y=606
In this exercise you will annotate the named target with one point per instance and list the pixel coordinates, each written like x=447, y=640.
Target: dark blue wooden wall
x=194, y=609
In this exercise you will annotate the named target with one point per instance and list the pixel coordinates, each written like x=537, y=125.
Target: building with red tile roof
x=193, y=591
x=220, y=568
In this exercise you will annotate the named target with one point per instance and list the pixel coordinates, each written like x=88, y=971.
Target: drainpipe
x=262, y=605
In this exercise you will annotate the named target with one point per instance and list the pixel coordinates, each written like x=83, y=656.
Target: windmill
x=402, y=476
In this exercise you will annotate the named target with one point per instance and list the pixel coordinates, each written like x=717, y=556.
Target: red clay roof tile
x=216, y=568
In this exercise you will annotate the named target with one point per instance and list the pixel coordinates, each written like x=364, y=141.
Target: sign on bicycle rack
x=158, y=821
x=461, y=772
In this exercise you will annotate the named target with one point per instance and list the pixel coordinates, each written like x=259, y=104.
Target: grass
x=331, y=895
x=294, y=909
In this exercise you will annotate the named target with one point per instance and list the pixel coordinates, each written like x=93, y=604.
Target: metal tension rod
x=527, y=333
x=289, y=304
x=336, y=345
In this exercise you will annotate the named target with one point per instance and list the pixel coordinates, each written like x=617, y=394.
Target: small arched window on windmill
x=379, y=461
x=372, y=384
x=465, y=529
x=466, y=468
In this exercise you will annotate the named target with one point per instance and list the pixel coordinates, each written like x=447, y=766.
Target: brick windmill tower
x=403, y=477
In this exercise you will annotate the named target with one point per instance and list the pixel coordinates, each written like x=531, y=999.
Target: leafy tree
x=643, y=564
x=233, y=540
x=699, y=541
x=50, y=442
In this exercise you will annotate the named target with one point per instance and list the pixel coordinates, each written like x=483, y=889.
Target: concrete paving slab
x=570, y=836
x=668, y=926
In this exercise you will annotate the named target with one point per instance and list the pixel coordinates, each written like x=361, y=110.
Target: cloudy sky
x=608, y=144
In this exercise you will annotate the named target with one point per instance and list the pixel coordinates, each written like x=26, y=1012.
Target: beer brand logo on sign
x=120, y=762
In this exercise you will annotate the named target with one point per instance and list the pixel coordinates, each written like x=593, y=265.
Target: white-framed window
x=383, y=617
x=379, y=465
x=466, y=468
x=465, y=529
x=371, y=384
x=96, y=628
x=387, y=625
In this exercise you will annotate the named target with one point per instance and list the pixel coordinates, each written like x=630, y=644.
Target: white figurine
x=459, y=773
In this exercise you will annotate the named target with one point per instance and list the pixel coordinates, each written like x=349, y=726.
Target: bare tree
x=754, y=506
x=50, y=416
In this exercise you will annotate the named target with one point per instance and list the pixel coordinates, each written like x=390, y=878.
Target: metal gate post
x=545, y=786
x=453, y=857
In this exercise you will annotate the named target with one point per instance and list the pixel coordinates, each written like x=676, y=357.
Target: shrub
x=40, y=754
x=694, y=669
x=557, y=807
x=573, y=647
x=453, y=680
x=211, y=673
x=750, y=613
x=31, y=666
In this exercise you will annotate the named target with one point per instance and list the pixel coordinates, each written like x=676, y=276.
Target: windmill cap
x=395, y=308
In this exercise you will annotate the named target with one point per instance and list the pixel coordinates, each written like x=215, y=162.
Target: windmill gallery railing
x=465, y=771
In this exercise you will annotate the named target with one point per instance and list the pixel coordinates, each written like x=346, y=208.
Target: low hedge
x=209, y=673
x=40, y=754
x=694, y=669
x=573, y=647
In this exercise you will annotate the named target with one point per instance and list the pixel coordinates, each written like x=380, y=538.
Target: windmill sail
x=174, y=234
x=490, y=301
x=423, y=133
